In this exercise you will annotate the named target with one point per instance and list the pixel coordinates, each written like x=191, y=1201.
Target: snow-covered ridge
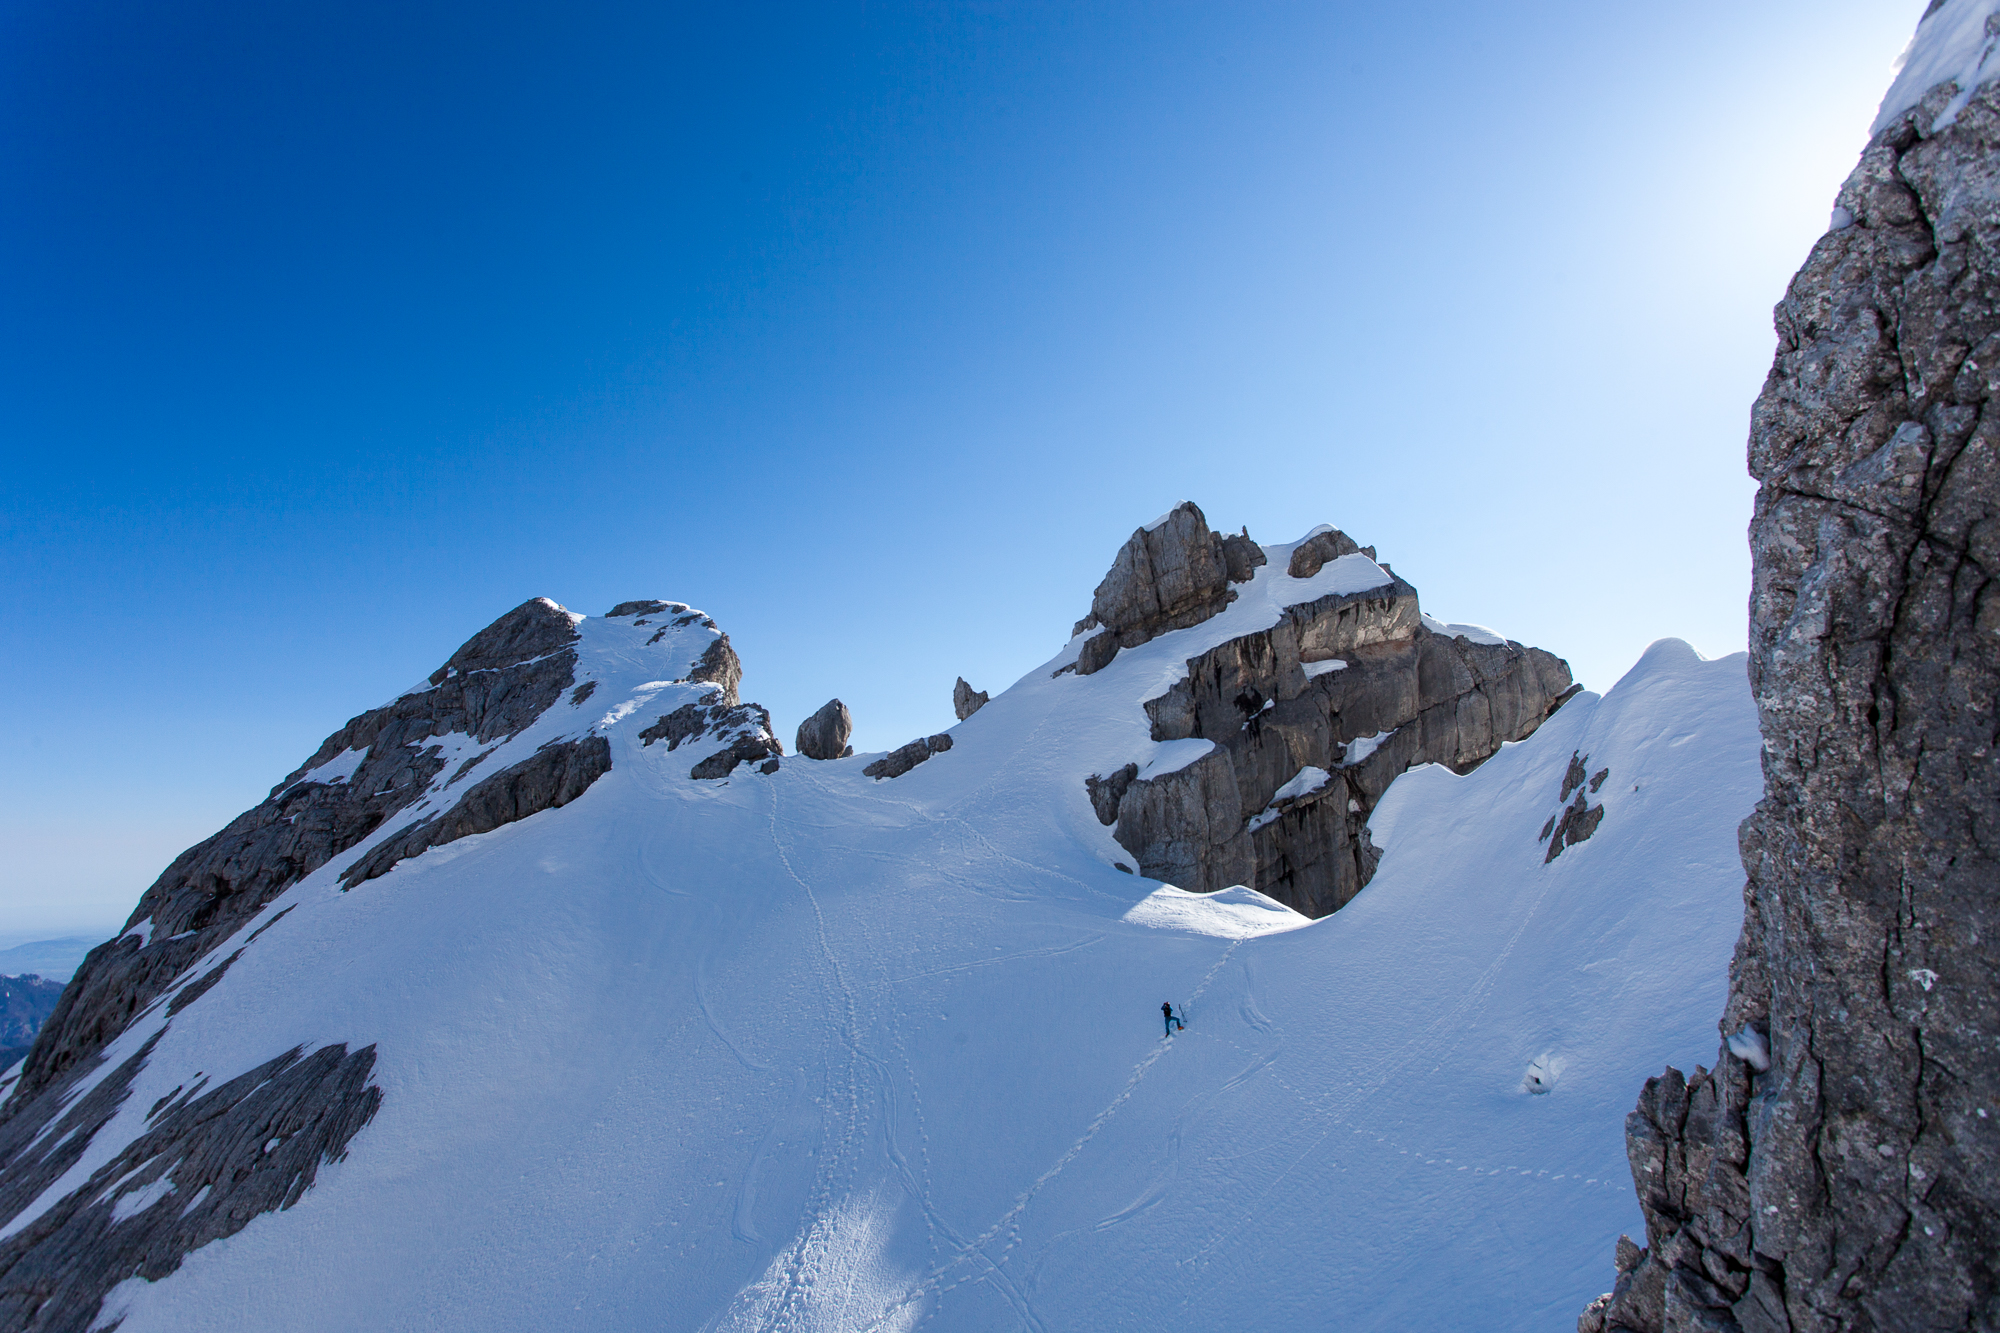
x=858, y=974
x=721, y=1055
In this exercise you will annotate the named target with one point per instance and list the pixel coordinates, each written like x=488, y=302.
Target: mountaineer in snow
x=1167, y=1009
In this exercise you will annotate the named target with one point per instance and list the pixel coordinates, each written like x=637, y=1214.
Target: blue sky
x=333, y=331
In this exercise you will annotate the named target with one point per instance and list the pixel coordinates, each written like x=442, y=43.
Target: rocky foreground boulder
x=824, y=734
x=965, y=701
x=1311, y=719
x=1839, y=1167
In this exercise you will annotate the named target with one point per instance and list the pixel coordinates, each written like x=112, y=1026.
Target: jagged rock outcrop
x=904, y=758
x=749, y=747
x=965, y=701
x=1315, y=552
x=211, y=1159
x=1171, y=575
x=746, y=728
x=824, y=735
x=1353, y=684
x=1569, y=826
x=1839, y=1168
x=501, y=680
x=554, y=776
x=719, y=665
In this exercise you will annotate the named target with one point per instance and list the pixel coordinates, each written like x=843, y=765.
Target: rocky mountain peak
x=504, y=730
x=1170, y=574
x=1290, y=730
x=536, y=628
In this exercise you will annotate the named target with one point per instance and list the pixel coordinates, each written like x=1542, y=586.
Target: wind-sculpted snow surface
x=804, y=1050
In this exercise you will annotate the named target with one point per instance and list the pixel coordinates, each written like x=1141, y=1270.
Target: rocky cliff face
x=497, y=734
x=1310, y=719
x=1839, y=1167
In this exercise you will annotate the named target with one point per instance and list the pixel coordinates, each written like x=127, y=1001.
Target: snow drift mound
x=794, y=1047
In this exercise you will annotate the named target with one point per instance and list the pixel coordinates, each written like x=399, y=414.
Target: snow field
x=812, y=1052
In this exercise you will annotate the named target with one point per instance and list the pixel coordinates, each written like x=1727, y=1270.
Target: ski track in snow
x=936, y=1283
x=843, y=1089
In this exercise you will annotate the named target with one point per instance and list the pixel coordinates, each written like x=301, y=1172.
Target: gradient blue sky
x=332, y=331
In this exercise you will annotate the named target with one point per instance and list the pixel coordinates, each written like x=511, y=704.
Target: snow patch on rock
x=1952, y=45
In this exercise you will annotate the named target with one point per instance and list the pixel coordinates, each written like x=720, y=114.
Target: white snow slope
x=813, y=1052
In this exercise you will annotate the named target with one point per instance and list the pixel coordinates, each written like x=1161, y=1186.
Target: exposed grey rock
x=1096, y=654
x=1855, y=1185
x=1241, y=556
x=747, y=728
x=1575, y=775
x=552, y=777
x=1317, y=551
x=718, y=664
x=1428, y=699
x=1576, y=823
x=253, y=1145
x=532, y=630
x=497, y=683
x=904, y=758
x=1169, y=578
x=684, y=723
x=724, y=761
x=824, y=734
x=965, y=701
x=1105, y=793
x=645, y=607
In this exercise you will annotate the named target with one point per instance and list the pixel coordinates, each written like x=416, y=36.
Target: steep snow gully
x=803, y=1050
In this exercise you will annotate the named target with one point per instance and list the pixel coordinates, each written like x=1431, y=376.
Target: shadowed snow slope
x=807, y=1051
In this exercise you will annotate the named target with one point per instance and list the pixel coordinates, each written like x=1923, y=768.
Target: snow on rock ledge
x=1322, y=660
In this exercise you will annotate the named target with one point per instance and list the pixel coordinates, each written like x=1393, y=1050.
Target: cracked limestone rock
x=1855, y=1183
x=1278, y=712
x=1170, y=575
